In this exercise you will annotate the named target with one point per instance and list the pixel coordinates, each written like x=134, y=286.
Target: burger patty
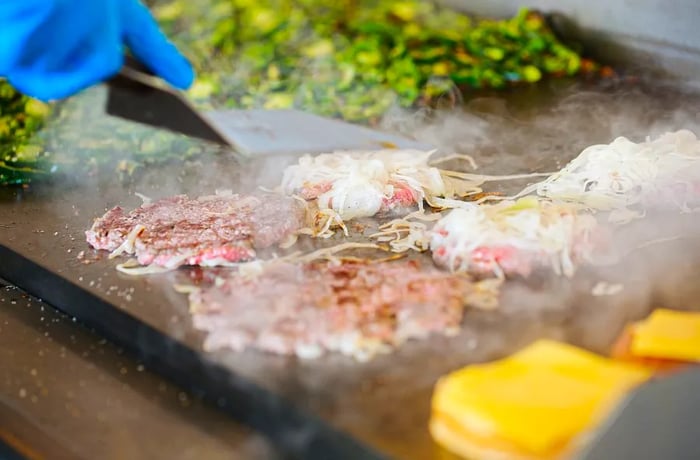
x=208, y=230
x=355, y=308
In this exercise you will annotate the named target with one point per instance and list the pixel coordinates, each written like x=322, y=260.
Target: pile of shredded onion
x=555, y=233
x=408, y=233
x=627, y=178
x=134, y=268
x=350, y=184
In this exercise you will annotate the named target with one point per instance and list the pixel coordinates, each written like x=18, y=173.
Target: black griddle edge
x=8, y=453
x=297, y=434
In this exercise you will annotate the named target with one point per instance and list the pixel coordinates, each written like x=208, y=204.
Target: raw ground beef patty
x=209, y=230
x=355, y=308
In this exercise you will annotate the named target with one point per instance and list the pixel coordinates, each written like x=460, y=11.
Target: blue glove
x=51, y=49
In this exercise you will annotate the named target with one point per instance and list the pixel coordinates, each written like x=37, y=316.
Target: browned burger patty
x=209, y=230
x=355, y=308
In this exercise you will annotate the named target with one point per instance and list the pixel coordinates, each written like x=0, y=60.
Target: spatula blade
x=280, y=132
x=135, y=97
x=658, y=421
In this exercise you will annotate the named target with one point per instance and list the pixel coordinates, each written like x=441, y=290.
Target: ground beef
x=354, y=308
x=204, y=231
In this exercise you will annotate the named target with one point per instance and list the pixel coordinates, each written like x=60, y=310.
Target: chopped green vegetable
x=20, y=118
x=77, y=139
x=351, y=59
x=324, y=55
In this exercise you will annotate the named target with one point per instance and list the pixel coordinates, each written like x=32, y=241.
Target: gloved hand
x=51, y=49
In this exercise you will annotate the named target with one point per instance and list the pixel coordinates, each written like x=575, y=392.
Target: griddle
x=73, y=395
x=331, y=407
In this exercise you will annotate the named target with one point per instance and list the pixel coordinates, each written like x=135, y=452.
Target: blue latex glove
x=51, y=49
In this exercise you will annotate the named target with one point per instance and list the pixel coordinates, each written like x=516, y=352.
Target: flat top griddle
x=333, y=405
x=73, y=395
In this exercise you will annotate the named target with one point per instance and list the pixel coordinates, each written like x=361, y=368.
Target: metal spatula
x=136, y=95
x=657, y=422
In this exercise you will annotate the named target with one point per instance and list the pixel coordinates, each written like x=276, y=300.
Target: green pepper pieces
x=326, y=54
x=20, y=118
x=351, y=59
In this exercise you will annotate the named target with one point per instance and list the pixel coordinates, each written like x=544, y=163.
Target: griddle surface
x=383, y=404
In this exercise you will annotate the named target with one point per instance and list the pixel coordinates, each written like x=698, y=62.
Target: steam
x=533, y=129
x=543, y=129
x=536, y=129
